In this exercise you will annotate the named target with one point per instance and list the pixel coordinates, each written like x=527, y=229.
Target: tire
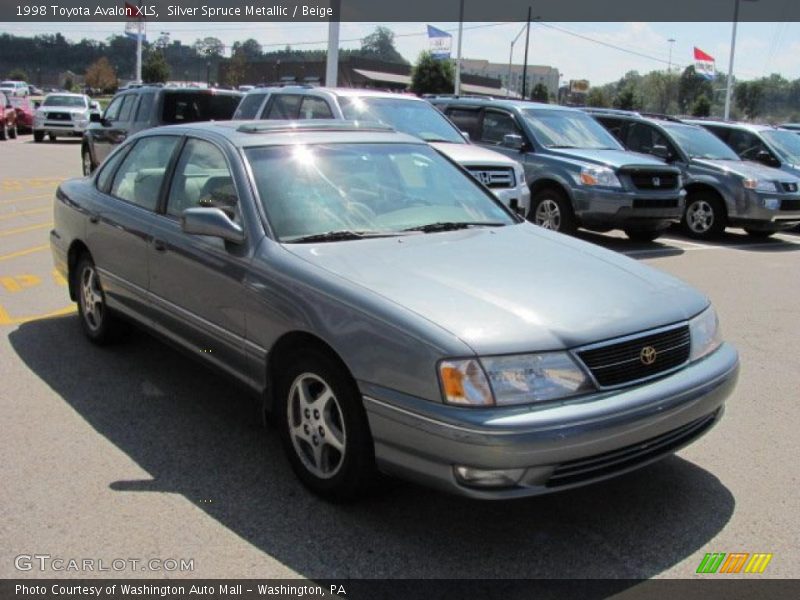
x=52, y=137
x=704, y=217
x=551, y=209
x=99, y=324
x=12, y=133
x=87, y=163
x=760, y=233
x=643, y=235
x=4, y=132
x=38, y=136
x=324, y=427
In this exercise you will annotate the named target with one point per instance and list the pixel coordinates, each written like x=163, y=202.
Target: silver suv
x=504, y=176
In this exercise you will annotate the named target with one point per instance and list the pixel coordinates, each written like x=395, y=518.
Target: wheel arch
x=76, y=249
x=705, y=188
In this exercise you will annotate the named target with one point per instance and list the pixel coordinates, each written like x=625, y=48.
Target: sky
x=761, y=48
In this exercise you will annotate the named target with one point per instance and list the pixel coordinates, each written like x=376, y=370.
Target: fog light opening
x=487, y=478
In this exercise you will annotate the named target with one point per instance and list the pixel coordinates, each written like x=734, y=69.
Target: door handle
x=159, y=245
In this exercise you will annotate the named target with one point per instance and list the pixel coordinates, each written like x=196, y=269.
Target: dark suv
x=722, y=189
x=144, y=107
x=579, y=175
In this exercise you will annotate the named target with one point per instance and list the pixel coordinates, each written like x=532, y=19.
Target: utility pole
x=458, y=55
x=139, y=34
x=332, y=62
x=729, y=83
x=525, y=62
x=671, y=42
x=510, y=60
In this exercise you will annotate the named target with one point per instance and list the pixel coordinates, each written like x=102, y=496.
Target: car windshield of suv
x=413, y=117
x=568, y=129
x=699, y=143
x=334, y=192
x=190, y=107
x=787, y=144
x=71, y=101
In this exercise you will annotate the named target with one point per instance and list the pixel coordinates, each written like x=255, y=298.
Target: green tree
x=701, y=107
x=380, y=46
x=749, y=96
x=598, y=97
x=18, y=74
x=236, y=71
x=101, y=75
x=540, y=93
x=627, y=99
x=432, y=76
x=155, y=68
x=251, y=49
x=209, y=47
x=691, y=87
x=69, y=83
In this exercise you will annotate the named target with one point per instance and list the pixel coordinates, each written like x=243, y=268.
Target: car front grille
x=59, y=116
x=790, y=204
x=655, y=203
x=494, y=177
x=789, y=186
x=629, y=457
x=654, y=180
x=621, y=362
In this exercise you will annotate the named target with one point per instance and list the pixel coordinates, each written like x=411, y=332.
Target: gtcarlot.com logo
x=734, y=562
x=46, y=562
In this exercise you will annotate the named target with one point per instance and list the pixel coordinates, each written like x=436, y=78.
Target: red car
x=25, y=110
x=8, y=118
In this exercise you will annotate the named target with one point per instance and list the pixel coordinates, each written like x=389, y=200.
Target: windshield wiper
x=452, y=226
x=337, y=236
x=560, y=146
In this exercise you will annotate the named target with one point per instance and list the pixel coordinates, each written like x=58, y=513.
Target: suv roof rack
x=661, y=117
x=312, y=125
x=602, y=110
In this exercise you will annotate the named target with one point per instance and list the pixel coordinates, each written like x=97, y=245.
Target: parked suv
x=579, y=175
x=408, y=114
x=143, y=107
x=14, y=88
x=63, y=115
x=722, y=189
x=8, y=118
x=771, y=146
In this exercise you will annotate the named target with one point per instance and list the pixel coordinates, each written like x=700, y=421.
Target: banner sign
x=704, y=64
x=439, y=43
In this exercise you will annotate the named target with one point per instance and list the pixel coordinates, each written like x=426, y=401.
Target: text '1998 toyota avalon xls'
x=390, y=313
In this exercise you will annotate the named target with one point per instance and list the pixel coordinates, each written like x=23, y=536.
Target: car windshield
x=568, y=129
x=786, y=143
x=413, y=117
x=349, y=191
x=73, y=101
x=699, y=143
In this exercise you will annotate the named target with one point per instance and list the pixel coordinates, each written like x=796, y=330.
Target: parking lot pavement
x=135, y=451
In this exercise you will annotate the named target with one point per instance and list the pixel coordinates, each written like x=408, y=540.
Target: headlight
x=509, y=380
x=760, y=185
x=705, y=333
x=602, y=176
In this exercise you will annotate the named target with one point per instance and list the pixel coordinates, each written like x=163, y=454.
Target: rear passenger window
x=139, y=178
x=643, y=138
x=145, y=107
x=126, y=110
x=107, y=170
x=112, y=110
x=496, y=125
x=315, y=108
x=248, y=107
x=465, y=120
x=284, y=106
x=202, y=179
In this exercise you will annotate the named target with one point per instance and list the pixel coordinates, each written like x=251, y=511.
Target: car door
x=121, y=217
x=250, y=105
x=494, y=125
x=196, y=282
x=113, y=127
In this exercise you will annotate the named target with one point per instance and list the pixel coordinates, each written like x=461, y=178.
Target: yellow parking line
x=22, y=213
x=6, y=319
x=24, y=252
x=24, y=229
x=38, y=197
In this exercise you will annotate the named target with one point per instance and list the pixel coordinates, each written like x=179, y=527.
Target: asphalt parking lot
x=136, y=451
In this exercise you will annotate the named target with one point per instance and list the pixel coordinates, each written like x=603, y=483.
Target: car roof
x=501, y=102
x=246, y=134
x=336, y=91
x=755, y=127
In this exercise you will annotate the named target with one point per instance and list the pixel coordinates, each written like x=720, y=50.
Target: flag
x=132, y=30
x=439, y=43
x=704, y=64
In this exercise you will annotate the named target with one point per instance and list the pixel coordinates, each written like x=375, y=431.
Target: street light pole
x=511, y=59
x=525, y=62
x=729, y=83
x=671, y=42
x=457, y=87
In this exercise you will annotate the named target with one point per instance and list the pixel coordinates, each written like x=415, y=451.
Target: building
x=535, y=74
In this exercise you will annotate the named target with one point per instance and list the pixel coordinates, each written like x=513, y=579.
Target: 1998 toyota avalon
x=390, y=313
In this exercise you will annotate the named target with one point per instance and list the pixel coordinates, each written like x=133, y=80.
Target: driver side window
x=496, y=125
x=112, y=111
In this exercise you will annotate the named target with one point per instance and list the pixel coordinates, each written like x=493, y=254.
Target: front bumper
x=70, y=128
x=590, y=439
x=752, y=212
x=518, y=198
x=621, y=207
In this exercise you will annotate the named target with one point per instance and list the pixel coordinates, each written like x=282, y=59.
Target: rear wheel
x=551, y=209
x=52, y=137
x=704, y=217
x=4, y=131
x=99, y=324
x=38, y=136
x=643, y=235
x=12, y=132
x=324, y=427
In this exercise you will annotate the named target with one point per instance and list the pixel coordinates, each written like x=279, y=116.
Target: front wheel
x=642, y=235
x=704, y=216
x=38, y=136
x=324, y=427
x=12, y=132
x=52, y=137
x=4, y=132
x=551, y=209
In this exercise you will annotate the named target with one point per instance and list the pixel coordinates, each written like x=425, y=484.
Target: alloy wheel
x=93, y=303
x=87, y=164
x=700, y=216
x=548, y=215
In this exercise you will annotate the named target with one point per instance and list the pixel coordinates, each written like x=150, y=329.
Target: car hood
x=69, y=109
x=745, y=169
x=609, y=158
x=471, y=155
x=511, y=289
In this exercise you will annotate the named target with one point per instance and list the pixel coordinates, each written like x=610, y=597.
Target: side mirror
x=765, y=158
x=466, y=135
x=213, y=222
x=661, y=152
x=37, y=104
x=513, y=141
x=95, y=117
